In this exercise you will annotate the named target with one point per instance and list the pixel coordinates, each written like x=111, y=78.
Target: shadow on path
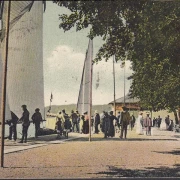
x=118, y=139
x=174, y=152
x=147, y=172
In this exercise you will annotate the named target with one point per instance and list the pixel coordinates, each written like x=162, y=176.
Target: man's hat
x=37, y=109
x=147, y=113
x=85, y=112
x=24, y=106
x=124, y=108
x=72, y=111
x=96, y=111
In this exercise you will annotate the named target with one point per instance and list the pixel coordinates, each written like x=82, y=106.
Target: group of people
x=36, y=119
x=157, y=122
x=107, y=122
x=144, y=123
x=147, y=123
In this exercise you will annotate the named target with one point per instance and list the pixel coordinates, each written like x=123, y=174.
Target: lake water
x=31, y=130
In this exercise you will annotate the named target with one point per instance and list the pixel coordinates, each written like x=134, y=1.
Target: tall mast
x=5, y=82
x=124, y=82
x=114, y=86
x=90, y=90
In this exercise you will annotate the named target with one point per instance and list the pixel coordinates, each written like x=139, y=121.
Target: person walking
x=118, y=122
x=148, y=124
x=159, y=120
x=96, y=121
x=139, y=124
x=74, y=118
x=111, y=129
x=37, y=119
x=25, y=123
x=86, y=123
x=167, y=121
x=78, y=120
x=125, y=119
x=132, y=122
x=13, y=126
x=105, y=123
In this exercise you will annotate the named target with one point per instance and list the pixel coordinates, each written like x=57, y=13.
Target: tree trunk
x=176, y=117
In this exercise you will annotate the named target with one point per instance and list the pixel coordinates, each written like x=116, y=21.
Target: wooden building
x=131, y=103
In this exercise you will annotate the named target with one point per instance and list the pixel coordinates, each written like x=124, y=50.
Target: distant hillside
x=68, y=108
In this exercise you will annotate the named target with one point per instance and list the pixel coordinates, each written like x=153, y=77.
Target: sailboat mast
x=90, y=90
x=124, y=81
x=3, y=114
x=114, y=86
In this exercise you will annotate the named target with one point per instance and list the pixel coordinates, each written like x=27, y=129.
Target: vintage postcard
x=89, y=89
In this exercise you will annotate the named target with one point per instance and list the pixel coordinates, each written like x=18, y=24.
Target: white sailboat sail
x=84, y=100
x=25, y=82
x=8, y=114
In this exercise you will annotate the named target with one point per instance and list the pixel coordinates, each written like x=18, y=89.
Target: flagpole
x=5, y=82
x=114, y=87
x=124, y=81
x=90, y=92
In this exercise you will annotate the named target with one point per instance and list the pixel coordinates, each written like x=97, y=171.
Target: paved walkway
x=11, y=146
x=138, y=156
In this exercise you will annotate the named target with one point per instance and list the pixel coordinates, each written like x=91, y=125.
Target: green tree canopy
x=145, y=32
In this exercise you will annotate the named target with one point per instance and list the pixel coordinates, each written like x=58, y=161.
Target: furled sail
x=85, y=86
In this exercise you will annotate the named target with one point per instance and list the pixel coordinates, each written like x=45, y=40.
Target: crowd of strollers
x=107, y=123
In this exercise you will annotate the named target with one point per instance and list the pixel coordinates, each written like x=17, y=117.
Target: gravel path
x=156, y=156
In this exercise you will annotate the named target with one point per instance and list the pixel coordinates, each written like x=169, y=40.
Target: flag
x=51, y=98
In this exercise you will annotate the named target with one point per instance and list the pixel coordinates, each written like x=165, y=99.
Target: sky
x=64, y=54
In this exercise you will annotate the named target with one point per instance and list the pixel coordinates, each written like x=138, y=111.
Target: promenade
x=138, y=156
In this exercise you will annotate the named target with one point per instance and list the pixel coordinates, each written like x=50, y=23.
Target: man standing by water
x=12, y=126
x=37, y=119
x=25, y=123
x=125, y=119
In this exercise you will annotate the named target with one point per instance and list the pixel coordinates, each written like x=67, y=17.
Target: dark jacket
x=74, y=117
x=37, y=118
x=97, y=119
x=25, y=118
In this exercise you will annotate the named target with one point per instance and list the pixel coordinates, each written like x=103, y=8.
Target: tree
x=145, y=32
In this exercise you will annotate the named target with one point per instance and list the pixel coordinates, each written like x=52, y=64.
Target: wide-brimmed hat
x=147, y=112
x=96, y=111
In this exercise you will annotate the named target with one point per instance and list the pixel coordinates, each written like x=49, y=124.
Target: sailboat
x=25, y=82
x=84, y=103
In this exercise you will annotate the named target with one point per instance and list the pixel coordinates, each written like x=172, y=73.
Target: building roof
x=128, y=99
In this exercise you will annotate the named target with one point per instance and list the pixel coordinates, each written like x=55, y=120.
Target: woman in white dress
x=139, y=128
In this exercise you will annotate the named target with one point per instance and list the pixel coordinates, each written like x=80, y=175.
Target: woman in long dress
x=139, y=126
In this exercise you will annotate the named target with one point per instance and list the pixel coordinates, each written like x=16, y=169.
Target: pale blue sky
x=64, y=55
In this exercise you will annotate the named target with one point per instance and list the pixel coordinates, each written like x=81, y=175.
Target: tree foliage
x=145, y=32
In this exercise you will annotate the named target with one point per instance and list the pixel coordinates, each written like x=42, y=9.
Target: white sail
x=25, y=82
x=8, y=114
x=83, y=100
